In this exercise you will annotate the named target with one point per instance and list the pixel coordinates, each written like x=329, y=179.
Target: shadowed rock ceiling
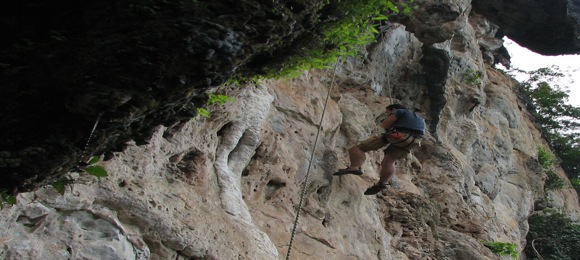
x=132, y=65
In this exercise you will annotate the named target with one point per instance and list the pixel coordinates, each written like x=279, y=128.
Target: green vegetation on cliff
x=552, y=235
x=344, y=28
x=560, y=119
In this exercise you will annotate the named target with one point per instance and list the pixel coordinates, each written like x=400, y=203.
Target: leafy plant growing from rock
x=472, y=77
x=6, y=199
x=345, y=27
x=61, y=184
x=95, y=170
x=553, y=181
x=545, y=157
x=547, y=161
x=502, y=248
x=91, y=168
x=213, y=99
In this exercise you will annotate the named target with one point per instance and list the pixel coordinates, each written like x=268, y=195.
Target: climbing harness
x=310, y=162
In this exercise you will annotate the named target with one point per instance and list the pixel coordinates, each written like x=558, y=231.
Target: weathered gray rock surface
x=228, y=187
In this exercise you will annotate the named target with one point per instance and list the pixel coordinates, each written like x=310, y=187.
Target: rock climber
x=403, y=132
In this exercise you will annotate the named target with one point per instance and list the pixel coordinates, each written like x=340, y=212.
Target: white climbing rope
x=310, y=162
x=84, y=151
x=390, y=88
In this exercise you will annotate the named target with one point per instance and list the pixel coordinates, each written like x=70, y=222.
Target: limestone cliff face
x=229, y=186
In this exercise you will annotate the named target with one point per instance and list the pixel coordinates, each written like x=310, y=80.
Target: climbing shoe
x=347, y=171
x=375, y=189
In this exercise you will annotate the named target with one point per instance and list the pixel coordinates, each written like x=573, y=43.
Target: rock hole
x=224, y=128
x=272, y=186
x=277, y=184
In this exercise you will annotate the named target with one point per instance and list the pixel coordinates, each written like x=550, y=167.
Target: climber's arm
x=389, y=121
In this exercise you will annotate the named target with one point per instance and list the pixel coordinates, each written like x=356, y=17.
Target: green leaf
x=502, y=248
x=380, y=18
x=202, y=112
x=96, y=170
x=94, y=160
x=392, y=7
x=219, y=98
x=11, y=200
x=59, y=186
x=8, y=199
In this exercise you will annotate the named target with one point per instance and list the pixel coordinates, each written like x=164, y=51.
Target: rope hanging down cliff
x=310, y=162
x=80, y=163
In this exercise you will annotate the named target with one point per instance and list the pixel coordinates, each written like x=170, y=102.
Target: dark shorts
x=396, y=148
